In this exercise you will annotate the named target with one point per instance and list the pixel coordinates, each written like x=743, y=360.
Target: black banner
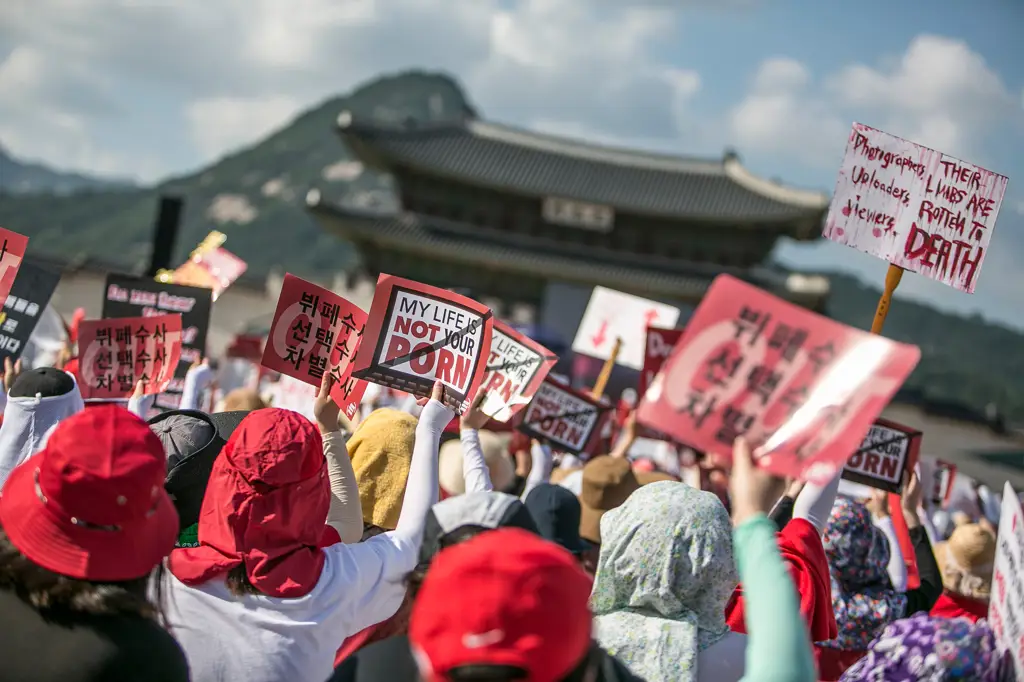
x=134, y=297
x=32, y=290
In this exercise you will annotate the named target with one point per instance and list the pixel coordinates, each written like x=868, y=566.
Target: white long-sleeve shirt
x=266, y=639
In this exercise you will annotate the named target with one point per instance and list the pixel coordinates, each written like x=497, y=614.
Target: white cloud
x=938, y=93
x=220, y=124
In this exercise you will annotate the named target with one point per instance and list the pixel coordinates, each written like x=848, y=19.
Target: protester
x=84, y=523
x=521, y=614
x=381, y=451
x=37, y=400
x=556, y=511
x=666, y=571
x=605, y=485
x=258, y=600
x=381, y=652
x=966, y=562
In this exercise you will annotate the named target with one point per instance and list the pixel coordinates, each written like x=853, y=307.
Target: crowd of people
x=252, y=544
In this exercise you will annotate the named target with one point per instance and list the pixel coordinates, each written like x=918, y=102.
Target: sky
x=148, y=88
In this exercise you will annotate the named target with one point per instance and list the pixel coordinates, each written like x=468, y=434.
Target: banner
x=115, y=354
x=884, y=456
x=516, y=367
x=803, y=389
x=569, y=420
x=418, y=334
x=1006, y=606
x=12, y=253
x=658, y=347
x=314, y=332
x=915, y=207
x=32, y=290
x=128, y=296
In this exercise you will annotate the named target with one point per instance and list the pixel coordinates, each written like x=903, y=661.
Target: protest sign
x=210, y=266
x=915, y=207
x=314, y=332
x=115, y=354
x=418, y=334
x=657, y=348
x=29, y=296
x=12, y=252
x=127, y=296
x=516, y=366
x=1006, y=605
x=569, y=420
x=887, y=451
x=803, y=389
x=612, y=314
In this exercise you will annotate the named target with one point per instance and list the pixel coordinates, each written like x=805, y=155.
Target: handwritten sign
x=612, y=314
x=314, y=332
x=803, y=389
x=1006, y=607
x=12, y=252
x=915, y=207
x=516, y=366
x=127, y=296
x=658, y=347
x=418, y=334
x=115, y=354
x=884, y=455
x=569, y=420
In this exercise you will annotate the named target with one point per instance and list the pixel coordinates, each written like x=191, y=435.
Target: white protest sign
x=516, y=366
x=612, y=314
x=561, y=416
x=1006, y=606
x=915, y=207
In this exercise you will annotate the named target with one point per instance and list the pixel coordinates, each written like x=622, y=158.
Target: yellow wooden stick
x=606, y=371
x=892, y=280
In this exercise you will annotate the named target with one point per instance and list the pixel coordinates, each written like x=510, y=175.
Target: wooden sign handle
x=606, y=371
x=892, y=280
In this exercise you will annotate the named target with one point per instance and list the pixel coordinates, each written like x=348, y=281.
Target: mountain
x=19, y=177
x=256, y=196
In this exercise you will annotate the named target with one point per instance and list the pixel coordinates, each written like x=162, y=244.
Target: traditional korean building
x=506, y=213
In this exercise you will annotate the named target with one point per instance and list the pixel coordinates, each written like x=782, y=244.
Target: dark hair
x=414, y=579
x=590, y=663
x=237, y=581
x=45, y=590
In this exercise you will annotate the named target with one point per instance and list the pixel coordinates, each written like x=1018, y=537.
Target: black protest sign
x=29, y=296
x=127, y=296
x=887, y=452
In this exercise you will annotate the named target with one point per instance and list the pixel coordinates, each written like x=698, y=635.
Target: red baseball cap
x=91, y=504
x=504, y=598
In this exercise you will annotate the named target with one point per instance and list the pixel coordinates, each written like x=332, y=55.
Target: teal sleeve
x=778, y=645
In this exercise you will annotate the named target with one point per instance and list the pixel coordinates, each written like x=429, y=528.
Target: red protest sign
x=888, y=450
x=569, y=420
x=516, y=367
x=316, y=331
x=659, y=346
x=12, y=252
x=418, y=334
x=802, y=388
x=115, y=354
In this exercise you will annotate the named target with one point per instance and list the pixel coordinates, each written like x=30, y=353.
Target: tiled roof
x=504, y=158
x=448, y=241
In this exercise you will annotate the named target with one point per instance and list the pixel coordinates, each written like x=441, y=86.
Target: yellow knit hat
x=381, y=451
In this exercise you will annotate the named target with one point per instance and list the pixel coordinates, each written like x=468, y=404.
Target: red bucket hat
x=91, y=505
x=522, y=602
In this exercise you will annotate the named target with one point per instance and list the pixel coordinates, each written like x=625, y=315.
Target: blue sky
x=156, y=87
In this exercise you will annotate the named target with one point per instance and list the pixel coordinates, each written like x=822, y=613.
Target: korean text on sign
x=888, y=450
x=516, y=366
x=314, y=332
x=567, y=419
x=1006, y=606
x=418, y=334
x=803, y=389
x=915, y=207
x=115, y=355
x=12, y=252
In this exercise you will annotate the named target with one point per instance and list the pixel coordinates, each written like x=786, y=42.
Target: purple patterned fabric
x=863, y=598
x=930, y=649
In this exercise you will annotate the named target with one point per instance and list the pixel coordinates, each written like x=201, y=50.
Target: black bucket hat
x=556, y=511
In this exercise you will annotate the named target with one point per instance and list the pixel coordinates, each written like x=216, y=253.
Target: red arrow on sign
x=599, y=338
x=650, y=316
